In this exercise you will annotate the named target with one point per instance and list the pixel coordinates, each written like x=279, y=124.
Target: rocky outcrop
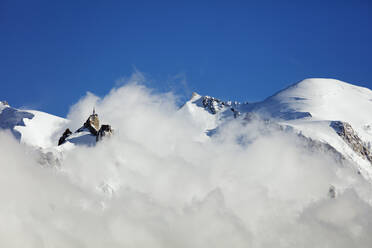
x=347, y=133
x=104, y=131
x=64, y=136
x=214, y=105
x=92, y=124
x=236, y=112
x=93, y=121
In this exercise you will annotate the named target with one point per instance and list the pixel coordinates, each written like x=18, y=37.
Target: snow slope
x=32, y=127
x=81, y=138
x=43, y=130
x=324, y=99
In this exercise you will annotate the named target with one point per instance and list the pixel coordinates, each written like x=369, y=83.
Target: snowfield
x=42, y=130
x=293, y=170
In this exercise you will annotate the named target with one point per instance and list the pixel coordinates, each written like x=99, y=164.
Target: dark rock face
x=4, y=103
x=236, y=112
x=64, y=136
x=347, y=133
x=212, y=104
x=92, y=124
x=105, y=130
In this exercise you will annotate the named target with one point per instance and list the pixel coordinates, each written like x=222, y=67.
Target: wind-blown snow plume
x=156, y=183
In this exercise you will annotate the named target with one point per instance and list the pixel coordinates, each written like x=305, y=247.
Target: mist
x=159, y=181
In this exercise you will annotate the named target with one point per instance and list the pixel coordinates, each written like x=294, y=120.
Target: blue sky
x=52, y=52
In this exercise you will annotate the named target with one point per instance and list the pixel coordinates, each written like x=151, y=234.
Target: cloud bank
x=154, y=184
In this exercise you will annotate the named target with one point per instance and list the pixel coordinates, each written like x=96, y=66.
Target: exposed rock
x=236, y=112
x=347, y=133
x=212, y=104
x=65, y=134
x=105, y=130
x=92, y=125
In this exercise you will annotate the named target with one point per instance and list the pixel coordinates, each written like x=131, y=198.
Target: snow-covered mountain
x=327, y=111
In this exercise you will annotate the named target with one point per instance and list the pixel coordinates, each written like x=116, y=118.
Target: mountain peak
x=323, y=99
x=194, y=96
x=318, y=91
x=317, y=81
x=323, y=85
x=88, y=134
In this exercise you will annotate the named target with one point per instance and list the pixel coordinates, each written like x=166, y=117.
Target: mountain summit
x=88, y=134
x=330, y=111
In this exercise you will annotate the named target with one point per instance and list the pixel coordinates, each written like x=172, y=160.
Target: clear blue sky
x=52, y=52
